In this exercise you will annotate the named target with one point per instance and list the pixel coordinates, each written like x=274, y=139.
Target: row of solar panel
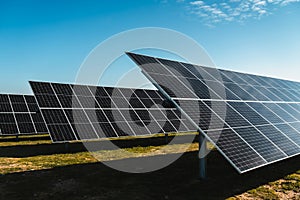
x=13, y=124
x=186, y=70
x=271, y=140
x=249, y=134
x=87, y=90
x=74, y=112
x=94, y=124
x=81, y=96
x=182, y=80
x=250, y=147
x=62, y=101
x=255, y=113
x=250, y=124
x=19, y=114
x=17, y=103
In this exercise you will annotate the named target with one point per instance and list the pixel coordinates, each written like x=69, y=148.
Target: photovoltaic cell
x=260, y=143
x=265, y=112
x=239, y=152
x=19, y=114
x=81, y=112
x=252, y=120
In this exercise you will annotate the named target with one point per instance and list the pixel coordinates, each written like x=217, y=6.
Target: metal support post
x=202, y=156
x=166, y=138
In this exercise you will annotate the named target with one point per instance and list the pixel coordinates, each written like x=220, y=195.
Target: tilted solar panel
x=19, y=114
x=82, y=112
x=252, y=120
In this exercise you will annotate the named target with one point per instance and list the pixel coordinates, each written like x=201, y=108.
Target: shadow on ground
x=21, y=151
x=177, y=181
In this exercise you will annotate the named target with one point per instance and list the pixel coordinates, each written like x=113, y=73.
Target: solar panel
x=82, y=112
x=19, y=114
x=252, y=120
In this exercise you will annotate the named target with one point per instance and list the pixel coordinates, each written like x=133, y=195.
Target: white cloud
x=234, y=10
x=197, y=3
x=285, y=2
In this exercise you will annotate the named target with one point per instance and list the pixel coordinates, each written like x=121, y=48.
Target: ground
x=33, y=168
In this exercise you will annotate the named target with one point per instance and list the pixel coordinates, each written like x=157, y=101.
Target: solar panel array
x=19, y=114
x=81, y=112
x=252, y=120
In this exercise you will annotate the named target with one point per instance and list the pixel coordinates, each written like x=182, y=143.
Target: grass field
x=33, y=168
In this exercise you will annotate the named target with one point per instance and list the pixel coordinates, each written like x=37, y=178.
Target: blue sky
x=48, y=40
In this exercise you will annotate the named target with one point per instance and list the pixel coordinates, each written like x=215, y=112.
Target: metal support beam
x=202, y=159
x=202, y=156
x=166, y=138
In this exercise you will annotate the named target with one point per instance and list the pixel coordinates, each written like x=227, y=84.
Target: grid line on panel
x=159, y=122
x=265, y=112
x=105, y=114
x=14, y=115
x=265, y=87
x=289, y=94
x=238, y=136
x=181, y=120
x=239, y=153
x=175, y=87
x=123, y=115
x=245, y=111
x=170, y=123
x=296, y=107
x=291, y=131
x=98, y=108
x=268, y=93
x=192, y=92
x=234, y=77
x=258, y=94
x=273, y=82
x=80, y=104
x=253, y=89
x=147, y=99
x=278, y=98
x=164, y=116
x=279, y=94
x=245, y=91
x=281, y=140
x=246, y=101
x=197, y=84
x=108, y=122
x=234, y=130
x=73, y=132
x=147, y=129
x=210, y=83
x=177, y=68
x=30, y=115
x=251, y=125
x=239, y=92
x=250, y=80
x=280, y=112
x=123, y=118
x=242, y=115
x=20, y=107
x=291, y=110
x=95, y=132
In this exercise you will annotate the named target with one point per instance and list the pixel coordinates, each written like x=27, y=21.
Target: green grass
x=24, y=140
x=285, y=188
x=39, y=162
x=264, y=192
